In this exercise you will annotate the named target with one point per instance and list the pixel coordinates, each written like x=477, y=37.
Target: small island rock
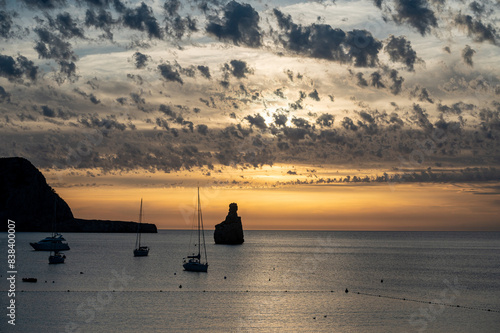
x=230, y=231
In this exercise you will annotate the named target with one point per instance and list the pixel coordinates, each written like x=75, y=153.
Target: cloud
x=325, y=120
x=44, y=4
x=280, y=119
x=314, y=95
x=4, y=95
x=68, y=69
x=178, y=26
x=456, y=108
x=48, y=112
x=15, y=69
x=376, y=80
x=363, y=48
x=467, y=54
x=476, y=28
x=162, y=123
x=172, y=7
x=140, y=60
x=300, y=122
x=421, y=118
x=477, y=8
x=5, y=24
x=397, y=82
x=202, y=129
x=361, y=80
x=51, y=46
x=238, y=68
x=205, y=71
x=324, y=42
x=101, y=20
x=239, y=24
x=400, y=50
x=415, y=13
x=66, y=26
x=348, y=124
x=378, y=3
x=422, y=94
x=256, y=120
x=142, y=19
x=105, y=124
x=170, y=73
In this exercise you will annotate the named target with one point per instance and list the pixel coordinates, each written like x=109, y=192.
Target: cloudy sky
x=368, y=114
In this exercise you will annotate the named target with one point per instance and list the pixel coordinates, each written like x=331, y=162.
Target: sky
x=327, y=115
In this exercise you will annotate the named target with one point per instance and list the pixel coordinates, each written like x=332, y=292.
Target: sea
x=277, y=281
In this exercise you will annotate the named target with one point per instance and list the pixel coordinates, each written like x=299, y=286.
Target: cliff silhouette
x=230, y=231
x=26, y=198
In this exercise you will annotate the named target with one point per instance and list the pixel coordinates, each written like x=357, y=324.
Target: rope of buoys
x=180, y=289
x=425, y=302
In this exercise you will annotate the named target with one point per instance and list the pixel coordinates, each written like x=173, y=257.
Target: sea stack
x=230, y=231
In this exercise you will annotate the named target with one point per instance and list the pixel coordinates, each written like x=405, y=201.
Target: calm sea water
x=277, y=281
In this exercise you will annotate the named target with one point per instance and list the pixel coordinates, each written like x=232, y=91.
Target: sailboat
x=55, y=242
x=193, y=262
x=140, y=251
x=56, y=258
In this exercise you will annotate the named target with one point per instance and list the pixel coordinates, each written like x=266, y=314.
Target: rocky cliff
x=26, y=198
x=230, y=231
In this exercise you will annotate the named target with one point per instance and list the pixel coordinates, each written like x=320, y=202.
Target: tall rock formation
x=230, y=231
x=27, y=199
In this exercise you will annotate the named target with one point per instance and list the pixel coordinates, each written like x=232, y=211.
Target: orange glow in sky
x=326, y=207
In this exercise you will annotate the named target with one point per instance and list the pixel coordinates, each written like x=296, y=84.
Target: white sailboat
x=140, y=250
x=193, y=262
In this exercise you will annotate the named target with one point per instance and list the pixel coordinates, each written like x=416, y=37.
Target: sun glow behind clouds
x=316, y=207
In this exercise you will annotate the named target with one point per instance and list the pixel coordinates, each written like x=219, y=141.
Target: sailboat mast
x=55, y=219
x=138, y=239
x=203, y=234
x=199, y=218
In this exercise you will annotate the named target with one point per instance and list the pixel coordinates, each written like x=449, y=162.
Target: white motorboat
x=56, y=242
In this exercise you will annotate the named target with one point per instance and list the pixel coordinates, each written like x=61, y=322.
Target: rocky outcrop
x=230, y=231
x=26, y=198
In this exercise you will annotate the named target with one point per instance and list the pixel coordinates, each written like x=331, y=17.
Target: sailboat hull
x=56, y=259
x=195, y=267
x=141, y=252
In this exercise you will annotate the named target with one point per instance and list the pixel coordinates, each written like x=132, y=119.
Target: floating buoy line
x=180, y=289
x=425, y=302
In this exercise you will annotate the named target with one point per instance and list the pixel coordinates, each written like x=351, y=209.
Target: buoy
x=346, y=290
